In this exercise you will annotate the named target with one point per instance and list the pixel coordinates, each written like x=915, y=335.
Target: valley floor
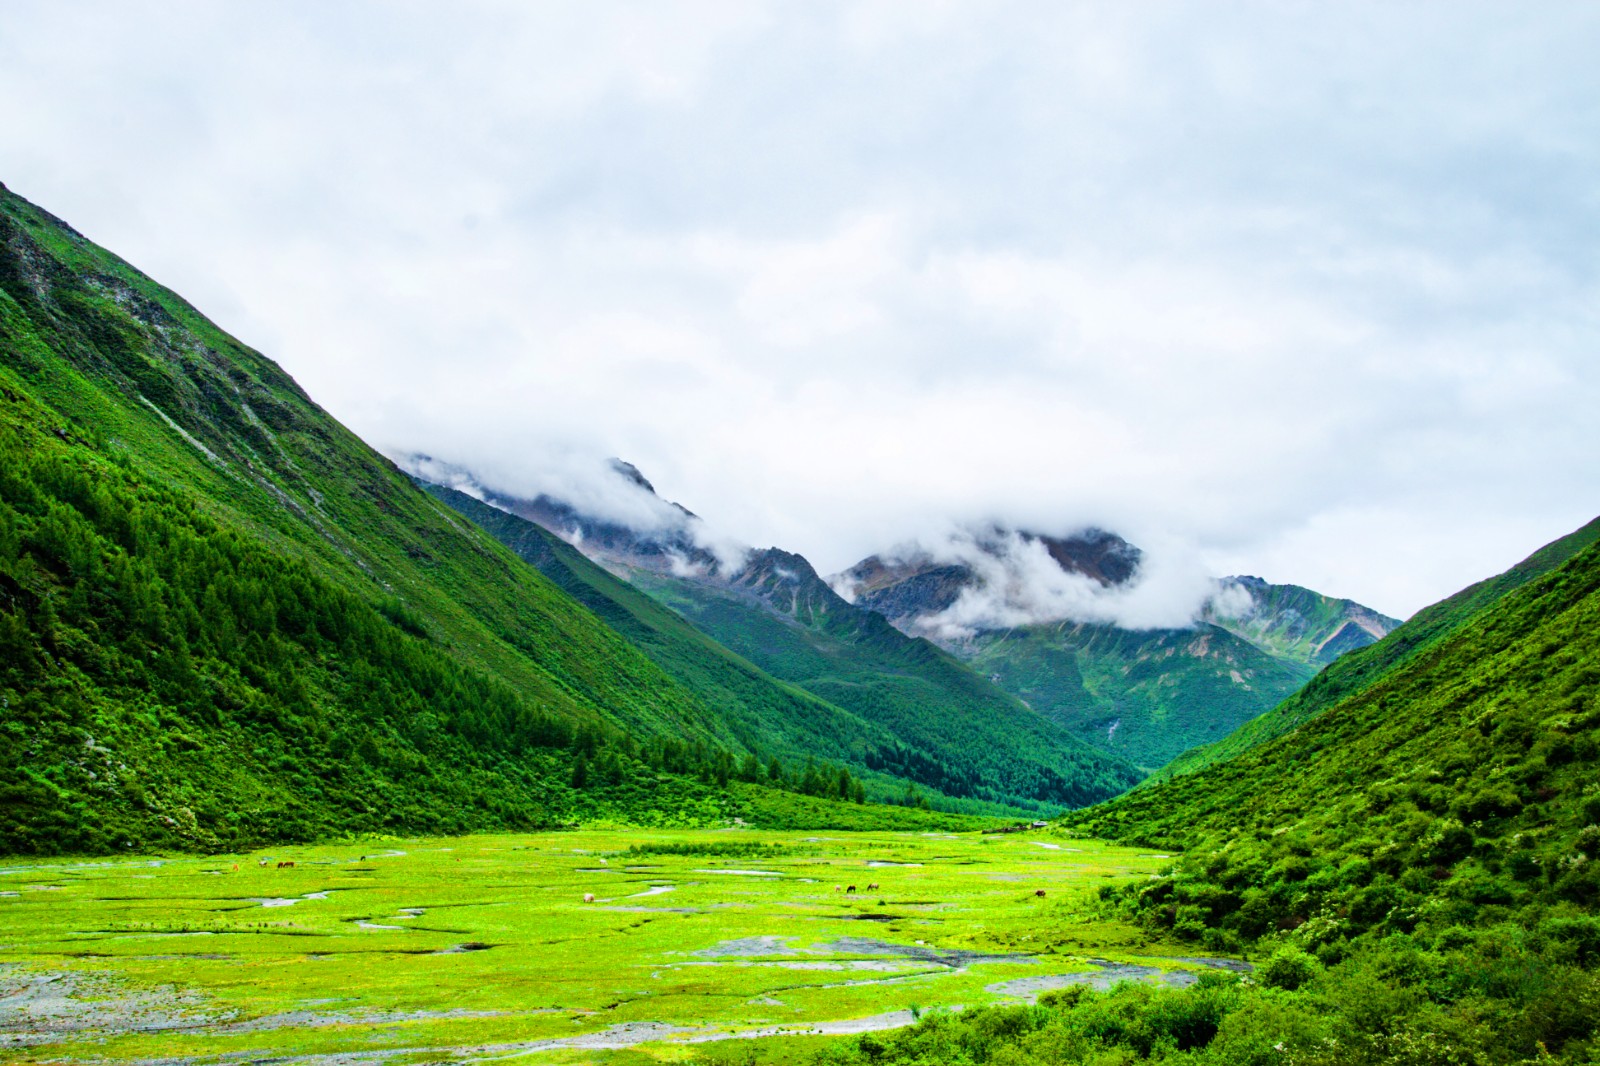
x=485, y=947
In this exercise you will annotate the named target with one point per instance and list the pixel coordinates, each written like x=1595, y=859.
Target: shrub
x=1289, y=968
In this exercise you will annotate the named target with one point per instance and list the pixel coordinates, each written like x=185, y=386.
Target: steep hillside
x=955, y=731
x=225, y=619
x=1147, y=695
x=1423, y=850
x=1153, y=695
x=760, y=713
x=1366, y=667
x=1297, y=624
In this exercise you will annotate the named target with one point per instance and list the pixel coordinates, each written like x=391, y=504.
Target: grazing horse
x=873, y=887
x=286, y=865
x=849, y=890
x=588, y=897
x=1039, y=892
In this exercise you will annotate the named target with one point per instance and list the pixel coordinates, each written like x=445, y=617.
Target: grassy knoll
x=428, y=949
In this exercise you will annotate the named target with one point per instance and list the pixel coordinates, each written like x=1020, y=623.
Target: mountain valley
x=309, y=755
x=1146, y=695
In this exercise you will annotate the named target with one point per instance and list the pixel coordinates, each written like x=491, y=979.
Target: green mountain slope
x=1297, y=624
x=909, y=710
x=1367, y=666
x=1416, y=870
x=226, y=619
x=1423, y=851
x=955, y=732
x=1147, y=695
x=759, y=712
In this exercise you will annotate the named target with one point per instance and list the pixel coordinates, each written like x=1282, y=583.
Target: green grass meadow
x=484, y=947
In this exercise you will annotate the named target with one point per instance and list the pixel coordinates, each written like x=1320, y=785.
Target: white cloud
x=1305, y=291
x=1015, y=582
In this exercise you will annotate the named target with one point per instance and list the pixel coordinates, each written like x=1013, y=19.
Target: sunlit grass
x=484, y=941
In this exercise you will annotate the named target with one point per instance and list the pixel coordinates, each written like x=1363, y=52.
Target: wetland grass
x=422, y=950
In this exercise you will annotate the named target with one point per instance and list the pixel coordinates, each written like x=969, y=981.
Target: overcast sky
x=1305, y=290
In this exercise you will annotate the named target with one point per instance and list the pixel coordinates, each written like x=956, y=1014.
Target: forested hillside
x=225, y=619
x=761, y=713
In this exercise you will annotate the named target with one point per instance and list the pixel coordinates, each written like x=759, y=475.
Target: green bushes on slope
x=1416, y=869
x=1366, y=666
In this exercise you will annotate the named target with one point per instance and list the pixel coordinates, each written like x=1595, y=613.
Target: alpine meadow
x=386, y=713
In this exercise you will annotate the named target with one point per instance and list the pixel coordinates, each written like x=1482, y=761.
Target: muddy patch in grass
x=1231, y=965
x=953, y=957
x=46, y=1008
x=1101, y=978
x=748, y=947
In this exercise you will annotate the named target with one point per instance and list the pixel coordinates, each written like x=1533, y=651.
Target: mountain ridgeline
x=861, y=640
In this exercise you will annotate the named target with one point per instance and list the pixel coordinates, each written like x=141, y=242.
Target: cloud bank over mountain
x=1306, y=291
x=997, y=578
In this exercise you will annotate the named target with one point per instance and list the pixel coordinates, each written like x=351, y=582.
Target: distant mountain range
x=1144, y=694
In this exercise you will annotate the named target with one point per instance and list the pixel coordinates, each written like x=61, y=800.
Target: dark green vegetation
x=1367, y=667
x=952, y=730
x=225, y=620
x=759, y=712
x=1145, y=695
x=1415, y=862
